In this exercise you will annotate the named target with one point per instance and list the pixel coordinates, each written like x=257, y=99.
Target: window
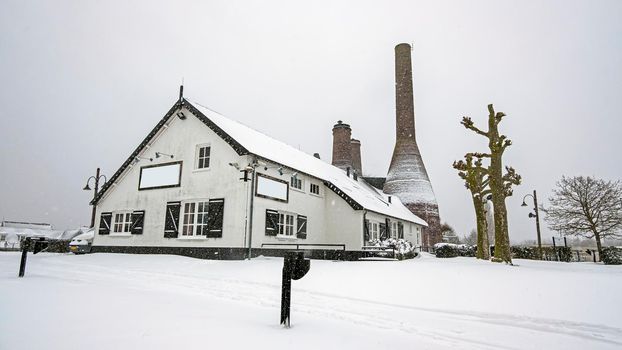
x=373, y=230
x=122, y=222
x=394, y=229
x=315, y=189
x=203, y=156
x=194, y=219
x=296, y=183
x=286, y=224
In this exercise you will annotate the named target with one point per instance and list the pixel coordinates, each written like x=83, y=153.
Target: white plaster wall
x=219, y=181
x=330, y=220
x=410, y=229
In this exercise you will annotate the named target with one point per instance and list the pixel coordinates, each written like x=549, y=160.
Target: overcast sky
x=84, y=81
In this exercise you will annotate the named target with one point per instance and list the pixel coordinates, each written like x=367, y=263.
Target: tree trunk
x=598, y=244
x=483, y=248
x=502, y=238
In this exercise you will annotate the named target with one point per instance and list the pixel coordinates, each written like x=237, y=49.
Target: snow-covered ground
x=115, y=301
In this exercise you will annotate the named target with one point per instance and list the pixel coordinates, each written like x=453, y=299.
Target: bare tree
x=471, y=238
x=449, y=234
x=475, y=180
x=500, y=184
x=586, y=207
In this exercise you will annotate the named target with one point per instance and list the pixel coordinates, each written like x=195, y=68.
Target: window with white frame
x=374, y=230
x=286, y=224
x=394, y=229
x=203, y=156
x=122, y=222
x=194, y=222
x=296, y=183
x=315, y=189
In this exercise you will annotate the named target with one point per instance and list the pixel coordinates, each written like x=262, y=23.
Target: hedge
x=452, y=251
x=612, y=256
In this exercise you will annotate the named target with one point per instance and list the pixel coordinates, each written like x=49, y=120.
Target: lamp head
x=524, y=204
x=532, y=215
x=87, y=188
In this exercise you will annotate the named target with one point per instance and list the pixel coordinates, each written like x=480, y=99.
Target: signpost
x=41, y=244
x=295, y=266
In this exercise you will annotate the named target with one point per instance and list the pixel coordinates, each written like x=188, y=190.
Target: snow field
x=106, y=301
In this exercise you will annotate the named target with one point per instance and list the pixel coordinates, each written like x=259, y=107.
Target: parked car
x=81, y=244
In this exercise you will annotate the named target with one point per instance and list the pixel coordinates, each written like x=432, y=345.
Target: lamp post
x=537, y=216
x=95, y=190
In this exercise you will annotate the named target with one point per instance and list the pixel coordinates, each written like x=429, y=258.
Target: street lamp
x=96, y=189
x=537, y=216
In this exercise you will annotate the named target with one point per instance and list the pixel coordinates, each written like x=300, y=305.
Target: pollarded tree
x=586, y=207
x=500, y=184
x=474, y=176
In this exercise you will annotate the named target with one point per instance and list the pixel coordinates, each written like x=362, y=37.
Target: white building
x=182, y=191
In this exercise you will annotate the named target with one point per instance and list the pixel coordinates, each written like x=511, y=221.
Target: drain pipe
x=250, y=214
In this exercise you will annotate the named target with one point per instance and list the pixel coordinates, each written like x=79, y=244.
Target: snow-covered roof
x=271, y=149
x=51, y=234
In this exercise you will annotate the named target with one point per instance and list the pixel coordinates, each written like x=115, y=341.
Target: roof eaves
x=354, y=204
x=134, y=154
x=240, y=150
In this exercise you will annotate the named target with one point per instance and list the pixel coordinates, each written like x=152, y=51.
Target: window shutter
x=138, y=218
x=400, y=230
x=388, y=224
x=215, y=212
x=104, y=223
x=383, y=231
x=302, y=227
x=272, y=222
x=172, y=219
x=366, y=230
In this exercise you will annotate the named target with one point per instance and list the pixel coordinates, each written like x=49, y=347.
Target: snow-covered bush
x=612, y=256
x=520, y=252
x=403, y=248
x=449, y=250
x=548, y=253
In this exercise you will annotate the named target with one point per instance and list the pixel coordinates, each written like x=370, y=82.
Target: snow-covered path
x=152, y=302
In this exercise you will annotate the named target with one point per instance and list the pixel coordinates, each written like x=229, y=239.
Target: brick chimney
x=342, y=155
x=355, y=152
x=407, y=177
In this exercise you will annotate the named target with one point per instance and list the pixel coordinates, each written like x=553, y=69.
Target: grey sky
x=83, y=83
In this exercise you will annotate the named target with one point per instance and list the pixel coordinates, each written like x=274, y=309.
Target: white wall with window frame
x=121, y=222
x=297, y=183
x=314, y=189
x=202, y=156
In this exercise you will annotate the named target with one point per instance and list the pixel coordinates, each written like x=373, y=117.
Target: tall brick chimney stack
x=342, y=154
x=355, y=152
x=407, y=177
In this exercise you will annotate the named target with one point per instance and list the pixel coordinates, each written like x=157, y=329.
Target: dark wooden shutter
x=366, y=230
x=171, y=229
x=272, y=222
x=104, y=223
x=301, y=232
x=388, y=223
x=383, y=231
x=400, y=230
x=215, y=213
x=138, y=217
